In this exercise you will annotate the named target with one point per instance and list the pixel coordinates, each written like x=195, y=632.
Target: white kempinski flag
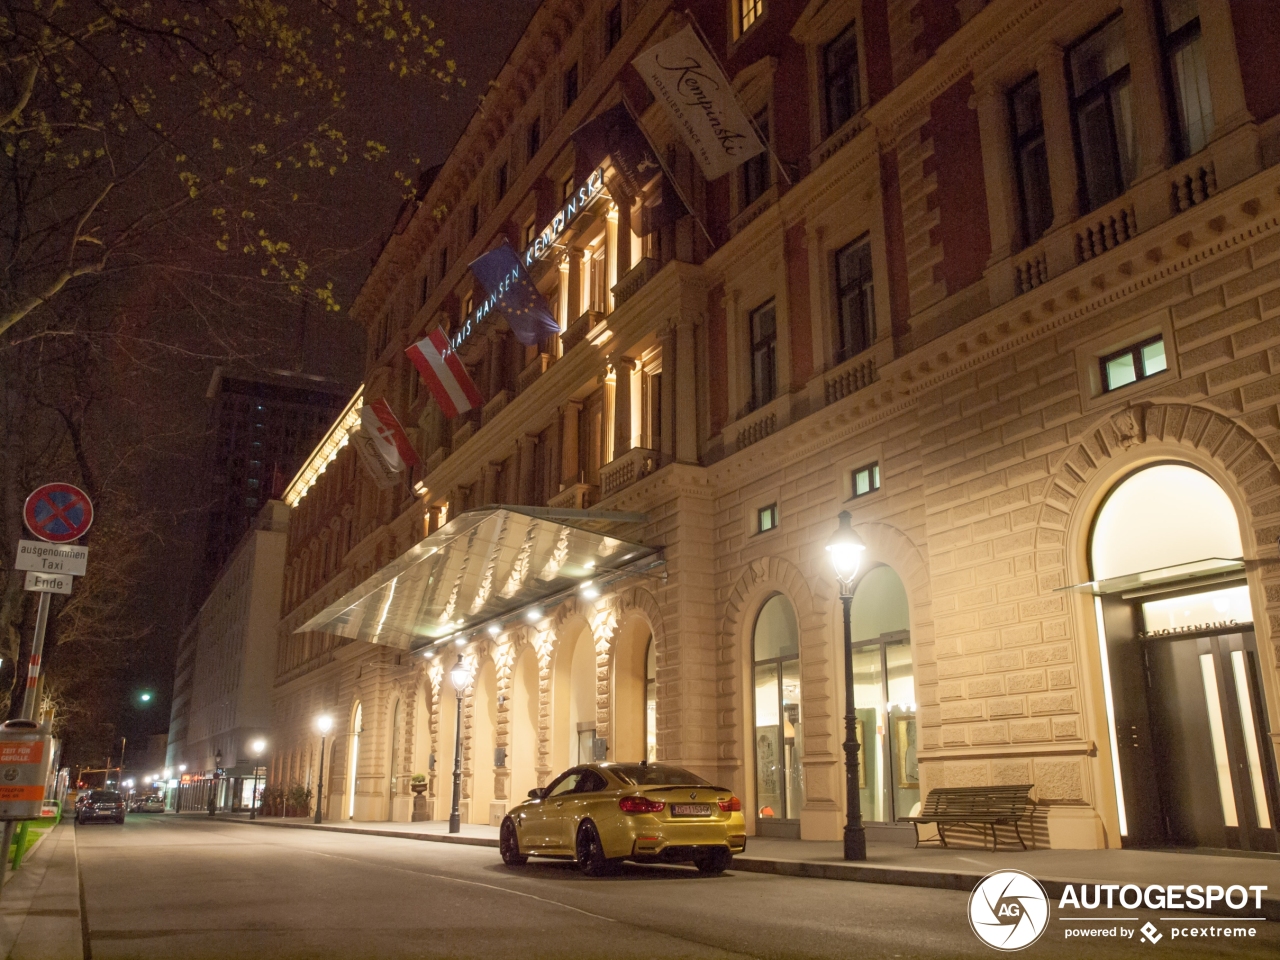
x=686, y=80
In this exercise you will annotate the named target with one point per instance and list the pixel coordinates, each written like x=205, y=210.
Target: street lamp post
x=459, y=676
x=177, y=799
x=213, y=783
x=845, y=549
x=256, y=749
x=324, y=724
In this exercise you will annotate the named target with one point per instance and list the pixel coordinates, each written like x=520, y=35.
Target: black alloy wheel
x=591, y=858
x=713, y=861
x=509, y=845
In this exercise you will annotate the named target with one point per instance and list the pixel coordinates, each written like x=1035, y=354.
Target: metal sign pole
x=33, y=667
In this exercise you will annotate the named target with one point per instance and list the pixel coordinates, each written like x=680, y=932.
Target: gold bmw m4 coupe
x=603, y=813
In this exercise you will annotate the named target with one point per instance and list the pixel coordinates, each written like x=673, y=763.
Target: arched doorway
x=884, y=697
x=1185, y=705
x=484, y=728
x=522, y=756
x=393, y=775
x=574, y=698
x=778, y=737
x=353, y=760
x=631, y=727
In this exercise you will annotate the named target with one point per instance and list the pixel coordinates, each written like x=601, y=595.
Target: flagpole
x=693, y=22
x=667, y=173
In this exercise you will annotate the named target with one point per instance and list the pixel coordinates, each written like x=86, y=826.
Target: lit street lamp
x=177, y=800
x=845, y=549
x=324, y=723
x=460, y=676
x=256, y=749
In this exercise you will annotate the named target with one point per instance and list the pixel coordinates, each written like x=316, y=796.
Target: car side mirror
x=536, y=793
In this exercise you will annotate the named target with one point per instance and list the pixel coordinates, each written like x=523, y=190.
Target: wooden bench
x=976, y=807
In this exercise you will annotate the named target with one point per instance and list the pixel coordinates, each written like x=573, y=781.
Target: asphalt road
x=164, y=886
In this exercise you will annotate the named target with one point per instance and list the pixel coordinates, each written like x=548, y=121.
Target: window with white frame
x=1102, y=111
x=754, y=173
x=1186, y=73
x=763, y=330
x=749, y=11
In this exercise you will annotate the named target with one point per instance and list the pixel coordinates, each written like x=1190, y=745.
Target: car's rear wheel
x=509, y=845
x=713, y=861
x=591, y=858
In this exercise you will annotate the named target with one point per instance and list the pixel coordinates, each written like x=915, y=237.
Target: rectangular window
x=424, y=291
x=527, y=235
x=1102, y=111
x=1187, y=74
x=1133, y=363
x=474, y=225
x=755, y=172
x=612, y=27
x=570, y=86
x=566, y=189
x=764, y=355
x=749, y=11
x=855, y=303
x=767, y=518
x=1031, y=160
x=500, y=181
x=866, y=480
x=534, y=138
x=840, y=80
x=444, y=262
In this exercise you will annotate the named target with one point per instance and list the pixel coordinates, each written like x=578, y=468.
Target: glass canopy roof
x=1215, y=567
x=484, y=566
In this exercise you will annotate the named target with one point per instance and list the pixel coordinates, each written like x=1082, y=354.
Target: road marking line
x=474, y=883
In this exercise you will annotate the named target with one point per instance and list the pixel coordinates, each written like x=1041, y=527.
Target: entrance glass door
x=884, y=701
x=1212, y=771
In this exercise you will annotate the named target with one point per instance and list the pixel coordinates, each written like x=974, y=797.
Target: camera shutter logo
x=1008, y=910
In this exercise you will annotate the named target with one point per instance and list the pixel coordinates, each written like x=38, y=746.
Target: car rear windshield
x=656, y=775
x=104, y=796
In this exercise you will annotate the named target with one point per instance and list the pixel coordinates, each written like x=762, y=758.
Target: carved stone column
x=604, y=627
x=623, y=368
x=686, y=392
x=504, y=660
x=543, y=642
x=570, y=468
x=1226, y=87
x=526, y=451
x=610, y=255
x=1150, y=110
x=1059, y=140
x=1001, y=178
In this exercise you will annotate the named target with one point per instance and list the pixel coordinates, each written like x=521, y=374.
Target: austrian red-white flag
x=443, y=372
x=388, y=436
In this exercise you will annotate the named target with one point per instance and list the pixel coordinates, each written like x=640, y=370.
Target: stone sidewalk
x=952, y=868
x=40, y=906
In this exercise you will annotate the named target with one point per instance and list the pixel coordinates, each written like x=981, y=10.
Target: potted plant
x=418, y=783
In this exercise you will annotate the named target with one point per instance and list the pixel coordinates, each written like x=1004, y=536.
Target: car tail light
x=732, y=805
x=640, y=805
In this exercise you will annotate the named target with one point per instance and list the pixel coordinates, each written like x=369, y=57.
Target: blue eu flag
x=510, y=290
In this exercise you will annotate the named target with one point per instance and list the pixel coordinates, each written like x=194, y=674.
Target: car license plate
x=691, y=809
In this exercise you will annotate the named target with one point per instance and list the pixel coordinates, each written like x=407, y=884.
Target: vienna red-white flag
x=443, y=372
x=388, y=436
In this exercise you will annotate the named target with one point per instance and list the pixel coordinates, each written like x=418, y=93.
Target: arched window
x=779, y=740
x=651, y=703
x=884, y=697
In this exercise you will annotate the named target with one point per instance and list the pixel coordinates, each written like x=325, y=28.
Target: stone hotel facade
x=1007, y=290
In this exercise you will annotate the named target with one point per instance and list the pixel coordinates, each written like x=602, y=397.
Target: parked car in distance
x=602, y=813
x=101, y=805
x=149, y=804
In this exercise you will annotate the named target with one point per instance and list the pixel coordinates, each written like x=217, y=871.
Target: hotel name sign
x=577, y=202
x=1220, y=625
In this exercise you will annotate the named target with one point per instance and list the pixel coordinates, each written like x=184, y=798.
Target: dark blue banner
x=511, y=291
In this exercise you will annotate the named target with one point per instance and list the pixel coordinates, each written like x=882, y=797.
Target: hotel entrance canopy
x=484, y=567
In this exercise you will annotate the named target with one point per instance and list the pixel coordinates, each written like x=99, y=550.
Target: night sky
x=358, y=210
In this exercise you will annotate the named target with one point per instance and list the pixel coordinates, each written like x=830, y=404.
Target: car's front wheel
x=509, y=845
x=591, y=858
x=712, y=861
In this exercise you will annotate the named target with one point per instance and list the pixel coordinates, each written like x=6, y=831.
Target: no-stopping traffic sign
x=58, y=512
